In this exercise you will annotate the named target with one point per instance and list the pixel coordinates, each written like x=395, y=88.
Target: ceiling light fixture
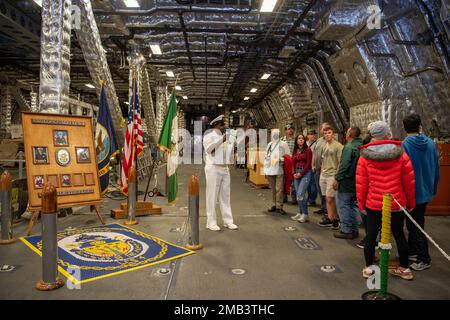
x=185, y=97
x=246, y=98
x=268, y=5
x=265, y=76
x=170, y=74
x=178, y=88
x=253, y=90
x=156, y=49
x=131, y=3
x=90, y=86
x=220, y=105
x=234, y=111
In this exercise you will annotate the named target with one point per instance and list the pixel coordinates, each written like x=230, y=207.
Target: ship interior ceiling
x=346, y=62
x=324, y=64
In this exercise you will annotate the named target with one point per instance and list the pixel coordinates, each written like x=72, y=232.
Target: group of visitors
x=350, y=181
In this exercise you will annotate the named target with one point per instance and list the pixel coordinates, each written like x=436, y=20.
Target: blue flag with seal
x=105, y=142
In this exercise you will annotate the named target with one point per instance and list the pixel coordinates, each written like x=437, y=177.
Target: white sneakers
x=230, y=226
x=303, y=218
x=300, y=217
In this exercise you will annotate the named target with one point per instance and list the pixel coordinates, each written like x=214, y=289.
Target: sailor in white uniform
x=219, y=148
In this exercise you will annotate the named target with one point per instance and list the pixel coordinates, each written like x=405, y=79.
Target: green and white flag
x=168, y=142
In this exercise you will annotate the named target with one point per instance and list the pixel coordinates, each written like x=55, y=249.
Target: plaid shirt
x=290, y=142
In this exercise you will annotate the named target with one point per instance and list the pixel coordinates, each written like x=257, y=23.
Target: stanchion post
x=132, y=193
x=50, y=280
x=194, y=214
x=7, y=217
x=385, y=246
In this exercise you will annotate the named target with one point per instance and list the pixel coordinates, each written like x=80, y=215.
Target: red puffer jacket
x=384, y=167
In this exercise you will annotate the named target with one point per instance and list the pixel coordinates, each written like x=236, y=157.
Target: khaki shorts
x=326, y=186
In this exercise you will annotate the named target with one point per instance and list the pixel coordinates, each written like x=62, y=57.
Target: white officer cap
x=219, y=118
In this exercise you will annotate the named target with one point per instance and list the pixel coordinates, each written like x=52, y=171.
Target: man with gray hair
x=379, y=130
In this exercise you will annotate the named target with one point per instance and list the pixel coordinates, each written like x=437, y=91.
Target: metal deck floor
x=276, y=268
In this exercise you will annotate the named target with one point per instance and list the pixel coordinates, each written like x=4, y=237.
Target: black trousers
x=417, y=242
x=373, y=227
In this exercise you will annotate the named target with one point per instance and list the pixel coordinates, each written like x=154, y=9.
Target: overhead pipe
x=142, y=29
x=297, y=22
x=118, y=21
x=206, y=72
x=186, y=41
x=440, y=42
x=290, y=32
x=176, y=9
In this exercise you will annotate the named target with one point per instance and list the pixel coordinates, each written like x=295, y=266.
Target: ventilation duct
x=147, y=102
x=161, y=104
x=55, y=56
x=6, y=110
x=91, y=45
x=19, y=98
x=34, y=101
x=343, y=20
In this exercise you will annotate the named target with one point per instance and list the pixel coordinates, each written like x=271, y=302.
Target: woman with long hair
x=302, y=158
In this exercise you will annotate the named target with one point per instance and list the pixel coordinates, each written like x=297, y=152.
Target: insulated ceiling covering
x=218, y=49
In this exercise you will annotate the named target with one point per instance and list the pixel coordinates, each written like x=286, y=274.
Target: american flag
x=133, y=139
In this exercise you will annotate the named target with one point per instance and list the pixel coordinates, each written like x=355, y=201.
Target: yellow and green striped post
x=385, y=244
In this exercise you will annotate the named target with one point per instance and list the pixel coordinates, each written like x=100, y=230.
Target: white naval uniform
x=218, y=176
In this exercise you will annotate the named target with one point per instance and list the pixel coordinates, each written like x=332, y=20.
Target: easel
x=37, y=210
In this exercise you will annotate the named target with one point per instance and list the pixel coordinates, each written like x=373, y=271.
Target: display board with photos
x=60, y=149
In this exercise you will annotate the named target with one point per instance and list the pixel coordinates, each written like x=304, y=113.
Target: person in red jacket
x=384, y=167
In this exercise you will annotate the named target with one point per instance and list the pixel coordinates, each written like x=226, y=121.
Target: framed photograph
x=62, y=157
x=77, y=180
x=38, y=181
x=60, y=138
x=53, y=180
x=40, y=155
x=89, y=179
x=65, y=180
x=83, y=155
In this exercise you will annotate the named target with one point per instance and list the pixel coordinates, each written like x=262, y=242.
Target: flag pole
x=135, y=92
x=168, y=155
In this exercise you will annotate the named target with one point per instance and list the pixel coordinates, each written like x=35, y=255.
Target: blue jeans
x=348, y=212
x=293, y=192
x=301, y=185
x=312, y=189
